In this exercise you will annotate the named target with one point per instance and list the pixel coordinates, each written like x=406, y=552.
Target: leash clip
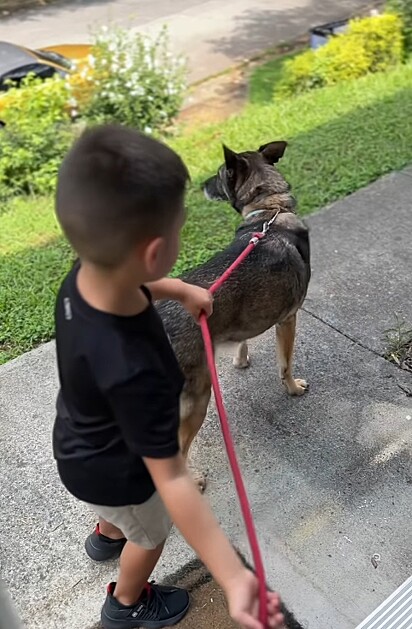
x=267, y=224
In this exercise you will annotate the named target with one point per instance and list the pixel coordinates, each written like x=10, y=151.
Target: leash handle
x=237, y=475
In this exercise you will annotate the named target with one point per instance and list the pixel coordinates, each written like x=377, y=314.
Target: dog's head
x=250, y=181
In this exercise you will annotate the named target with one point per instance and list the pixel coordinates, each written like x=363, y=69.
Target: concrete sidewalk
x=213, y=34
x=329, y=475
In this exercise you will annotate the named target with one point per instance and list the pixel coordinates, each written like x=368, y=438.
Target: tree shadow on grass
x=336, y=159
x=330, y=160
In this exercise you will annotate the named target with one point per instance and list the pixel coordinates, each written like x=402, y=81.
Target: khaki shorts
x=148, y=525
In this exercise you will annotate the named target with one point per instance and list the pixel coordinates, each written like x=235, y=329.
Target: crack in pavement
x=353, y=340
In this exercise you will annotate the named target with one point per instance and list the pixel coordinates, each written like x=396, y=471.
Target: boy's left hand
x=196, y=300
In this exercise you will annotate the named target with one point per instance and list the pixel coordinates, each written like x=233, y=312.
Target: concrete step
x=395, y=612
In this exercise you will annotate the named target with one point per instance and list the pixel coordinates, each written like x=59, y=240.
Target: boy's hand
x=193, y=298
x=196, y=300
x=243, y=598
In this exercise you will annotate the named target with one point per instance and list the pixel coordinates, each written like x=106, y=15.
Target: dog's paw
x=300, y=387
x=296, y=386
x=241, y=362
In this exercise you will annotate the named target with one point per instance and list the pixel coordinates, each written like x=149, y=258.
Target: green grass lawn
x=264, y=78
x=341, y=139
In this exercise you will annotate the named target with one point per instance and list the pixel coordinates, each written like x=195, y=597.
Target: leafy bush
x=381, y=36
x=37, y=134
x=340, y=60
x=403, y=8
x=130, y=79
x=299, y=75
x=371, y=44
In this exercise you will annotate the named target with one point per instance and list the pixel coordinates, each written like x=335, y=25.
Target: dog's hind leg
x=241, y=358
x=285, y=333
x=193, y=409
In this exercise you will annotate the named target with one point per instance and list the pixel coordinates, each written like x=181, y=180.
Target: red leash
x=224, y=423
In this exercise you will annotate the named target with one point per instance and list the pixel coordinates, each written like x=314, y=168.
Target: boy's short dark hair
x=117, y=187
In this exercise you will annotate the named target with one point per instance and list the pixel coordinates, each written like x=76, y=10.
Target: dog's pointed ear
x=273, y=151
x=231, y=158
x=235, y=163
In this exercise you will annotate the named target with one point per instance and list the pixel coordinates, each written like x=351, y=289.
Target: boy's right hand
x=195, y=520
x=243, y=597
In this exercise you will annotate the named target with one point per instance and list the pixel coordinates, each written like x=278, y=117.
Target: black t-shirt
x=118, y=401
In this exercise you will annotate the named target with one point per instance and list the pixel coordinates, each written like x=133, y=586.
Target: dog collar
x=255, y=213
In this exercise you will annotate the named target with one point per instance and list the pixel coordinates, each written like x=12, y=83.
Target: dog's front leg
x=285, y=333
x=193, y=409
x=241, y=358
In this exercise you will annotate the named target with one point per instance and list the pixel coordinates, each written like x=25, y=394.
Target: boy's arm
x=167, y=288
x=146, y=395
x=194, y=518
x=193, y=298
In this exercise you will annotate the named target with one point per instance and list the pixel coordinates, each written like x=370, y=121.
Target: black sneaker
x=101, y=548
x=159, y=606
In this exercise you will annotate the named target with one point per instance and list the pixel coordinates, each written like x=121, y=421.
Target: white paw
x=300, y=387
x=296, y=386
x=241, y=362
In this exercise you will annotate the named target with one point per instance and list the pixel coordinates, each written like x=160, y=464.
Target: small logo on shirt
x=67, y=309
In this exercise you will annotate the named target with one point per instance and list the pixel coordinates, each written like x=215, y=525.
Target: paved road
x=213, y=34
x=328, y=475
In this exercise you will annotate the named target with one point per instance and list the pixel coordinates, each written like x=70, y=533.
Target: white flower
x=92, y=60
x=148, y=130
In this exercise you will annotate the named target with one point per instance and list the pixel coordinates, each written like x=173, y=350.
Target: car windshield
x=49, y=55
x=15, y=77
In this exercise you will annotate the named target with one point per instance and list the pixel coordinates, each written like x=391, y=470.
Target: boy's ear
x=150, y=251
x=273, y=151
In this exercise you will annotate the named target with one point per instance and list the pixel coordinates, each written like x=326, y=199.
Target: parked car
x=17, y=62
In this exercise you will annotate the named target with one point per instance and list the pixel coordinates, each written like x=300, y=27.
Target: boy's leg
x=106, y=542
x=109, y=530
x=132, y=602
x=136, y=566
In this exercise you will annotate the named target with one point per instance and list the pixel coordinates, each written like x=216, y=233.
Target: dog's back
x=266, y=289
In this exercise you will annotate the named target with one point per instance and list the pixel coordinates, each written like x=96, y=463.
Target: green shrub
x=133, y=80
x=403, y=8
x=36, y=136
x=299, y=74
x=342, y=59
x=382, y=39
x=371, y=44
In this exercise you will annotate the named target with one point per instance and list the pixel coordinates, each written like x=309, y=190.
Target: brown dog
x=267, y=289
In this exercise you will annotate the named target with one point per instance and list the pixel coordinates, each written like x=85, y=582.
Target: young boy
x=120, y=202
